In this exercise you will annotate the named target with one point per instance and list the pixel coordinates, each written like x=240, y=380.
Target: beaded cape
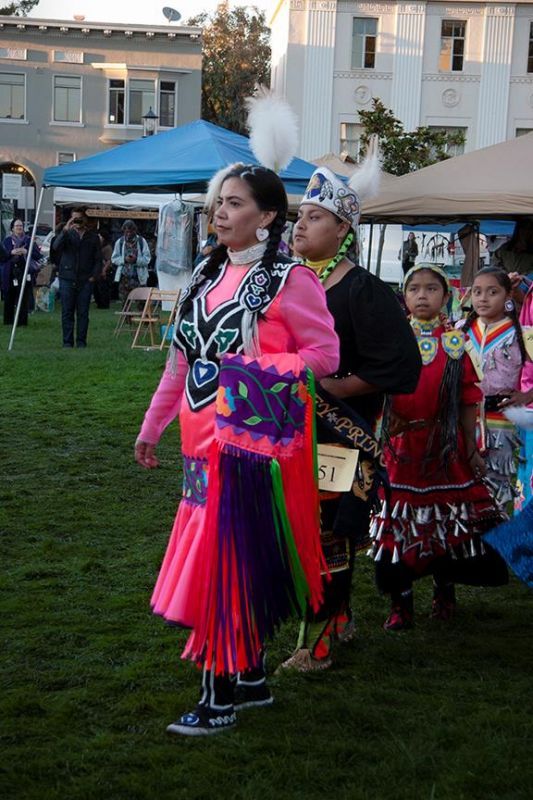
x=204, y=338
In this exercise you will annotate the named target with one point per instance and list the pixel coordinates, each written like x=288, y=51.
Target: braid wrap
x=519, y=335
x=276, y=231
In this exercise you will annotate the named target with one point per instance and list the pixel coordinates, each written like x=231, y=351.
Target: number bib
x=336, y=468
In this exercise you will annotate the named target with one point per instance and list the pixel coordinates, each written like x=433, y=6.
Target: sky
x=132, y=11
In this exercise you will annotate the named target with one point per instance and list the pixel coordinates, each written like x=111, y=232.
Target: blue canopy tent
x=182, y=159
x=489, y=227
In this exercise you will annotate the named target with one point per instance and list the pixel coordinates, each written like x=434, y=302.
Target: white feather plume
x=520, y=415
x=366, y=180
x=273, y=129
x=215, y=185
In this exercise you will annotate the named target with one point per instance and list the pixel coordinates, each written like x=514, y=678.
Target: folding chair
x=130, y=309
x=149, y=322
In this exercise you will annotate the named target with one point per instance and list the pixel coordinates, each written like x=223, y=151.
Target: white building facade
x=449, y=65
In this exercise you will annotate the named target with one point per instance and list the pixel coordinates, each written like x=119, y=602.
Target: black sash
x=338, y=423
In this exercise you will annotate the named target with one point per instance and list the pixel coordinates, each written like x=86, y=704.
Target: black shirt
x=78, y=257
x=376, y=340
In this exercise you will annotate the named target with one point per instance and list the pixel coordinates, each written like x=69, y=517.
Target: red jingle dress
x=436, y=511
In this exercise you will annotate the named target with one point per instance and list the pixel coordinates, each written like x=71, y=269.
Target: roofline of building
x=277, y=5
x=86, y=26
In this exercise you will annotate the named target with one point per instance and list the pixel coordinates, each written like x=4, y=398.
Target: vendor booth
x=494, y=182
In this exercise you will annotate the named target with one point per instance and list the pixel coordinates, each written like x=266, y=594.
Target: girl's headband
x=426, y=265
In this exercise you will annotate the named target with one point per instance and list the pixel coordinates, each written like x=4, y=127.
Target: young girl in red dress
x=439, y=505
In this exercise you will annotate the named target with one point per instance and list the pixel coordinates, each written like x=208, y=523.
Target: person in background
x=152, y=281
x=519, y=406
x=409, y=252
x=77, y=251
x=131, y=256
x=208, y=246
x=517, y=254
x=102, y=289
x=496, y=347
x=15, y=249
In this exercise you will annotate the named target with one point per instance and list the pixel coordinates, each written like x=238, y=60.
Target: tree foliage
x=236, y=57
x=405, y=151
x=19, y=8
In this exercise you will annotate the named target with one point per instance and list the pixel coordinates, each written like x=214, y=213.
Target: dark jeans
x=75, y=300
x=10, y=304
x=102, y=293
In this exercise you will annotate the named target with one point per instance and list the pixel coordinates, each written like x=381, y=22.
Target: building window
x=350, y=139
x=65, y=158
x=452, y=149
x=530, y=51
x=12, y=96
x=523, y=131
x=364, y=34
x=167, y=104
x=130, y=101
x=452, y=45
x=116, y=102
x=141, y=99
x=67, y=98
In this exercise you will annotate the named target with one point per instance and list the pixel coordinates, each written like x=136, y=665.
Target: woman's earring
x=261, y=234
x=509, y=305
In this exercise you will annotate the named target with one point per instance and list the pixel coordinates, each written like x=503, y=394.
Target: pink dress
x=525, y=470
x=296, y=322
x=526, y=321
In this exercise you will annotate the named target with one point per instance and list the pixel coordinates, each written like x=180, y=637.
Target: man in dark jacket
x=76, y=251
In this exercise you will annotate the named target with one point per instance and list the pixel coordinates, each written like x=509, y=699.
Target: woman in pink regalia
x=244, y=552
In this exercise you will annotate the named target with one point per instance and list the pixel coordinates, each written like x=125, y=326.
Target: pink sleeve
x=526, y=319
x=166, y=401
x=526, y=314
x=306, y=315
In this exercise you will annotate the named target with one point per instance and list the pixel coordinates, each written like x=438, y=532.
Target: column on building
x=279, y=46
x=317, y=79
x=408, y=59
x=495, y=75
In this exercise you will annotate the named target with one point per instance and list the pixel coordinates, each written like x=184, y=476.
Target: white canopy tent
x=67, y=197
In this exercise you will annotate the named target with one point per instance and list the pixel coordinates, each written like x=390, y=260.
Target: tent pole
x=369, y=246
x=26, y=269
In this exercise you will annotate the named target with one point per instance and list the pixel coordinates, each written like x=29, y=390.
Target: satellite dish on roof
x=171, y=14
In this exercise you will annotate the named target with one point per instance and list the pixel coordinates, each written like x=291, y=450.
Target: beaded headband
x=426, y=265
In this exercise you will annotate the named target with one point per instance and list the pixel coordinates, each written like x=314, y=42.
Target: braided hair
x=505, y=282
x=269, y=194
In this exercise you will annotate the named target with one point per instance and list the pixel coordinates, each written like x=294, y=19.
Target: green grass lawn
x=89, y=678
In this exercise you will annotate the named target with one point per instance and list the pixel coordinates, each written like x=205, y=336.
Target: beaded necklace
x=323, y=269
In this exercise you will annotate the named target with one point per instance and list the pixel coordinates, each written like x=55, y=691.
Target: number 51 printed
x=336, y=467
